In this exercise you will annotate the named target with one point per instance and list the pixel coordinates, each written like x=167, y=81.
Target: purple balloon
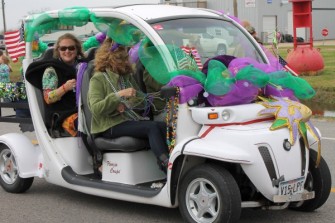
x=133, y=53
x=242, y=92
x=270, y=90
x=100, y=37
x=189, y=87
x=188, y=92
x=182, y=80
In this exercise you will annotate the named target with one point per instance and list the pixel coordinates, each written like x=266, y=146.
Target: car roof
x=151, y=12
x=148, y=12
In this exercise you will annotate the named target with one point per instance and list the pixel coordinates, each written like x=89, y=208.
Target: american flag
x=184, y=62
x=193, y=53
x=286, y=67
x=15, y=45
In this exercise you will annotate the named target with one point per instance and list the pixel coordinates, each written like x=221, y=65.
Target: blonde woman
x=112, y=98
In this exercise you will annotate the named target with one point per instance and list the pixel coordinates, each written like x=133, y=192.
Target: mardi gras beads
x=171, y=125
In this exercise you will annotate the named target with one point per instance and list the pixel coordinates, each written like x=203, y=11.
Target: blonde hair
x=115, y=60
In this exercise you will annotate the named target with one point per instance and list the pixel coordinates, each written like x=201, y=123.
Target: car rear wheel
x=9, y=173
x=318, y=180
x=209, y=193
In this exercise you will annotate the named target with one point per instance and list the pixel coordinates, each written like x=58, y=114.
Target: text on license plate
x=291, y=187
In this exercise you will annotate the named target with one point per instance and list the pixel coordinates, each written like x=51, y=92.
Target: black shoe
x=164, y=165
x=97, y=168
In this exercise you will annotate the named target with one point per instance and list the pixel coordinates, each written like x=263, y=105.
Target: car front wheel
x=209, y=193
x=318, y=180
x=9, y=173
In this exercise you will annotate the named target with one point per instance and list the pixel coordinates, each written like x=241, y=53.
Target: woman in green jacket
x=113, y=96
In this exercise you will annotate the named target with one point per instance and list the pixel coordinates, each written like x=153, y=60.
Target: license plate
x=291, y=187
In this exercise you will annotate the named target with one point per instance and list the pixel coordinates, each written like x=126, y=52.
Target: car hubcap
x=202, y=200
x=8, y=168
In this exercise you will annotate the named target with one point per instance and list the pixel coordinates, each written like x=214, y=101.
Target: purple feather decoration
x=114, y=47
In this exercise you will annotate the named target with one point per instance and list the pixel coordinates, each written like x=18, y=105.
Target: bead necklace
x=129, y=112
x=171, y=130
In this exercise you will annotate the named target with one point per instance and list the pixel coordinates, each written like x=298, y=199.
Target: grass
x=16, y=76
x=323, y=83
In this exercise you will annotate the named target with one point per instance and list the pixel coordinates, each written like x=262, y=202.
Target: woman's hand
x=69, y=85
x=121, y=108
x=127, y=93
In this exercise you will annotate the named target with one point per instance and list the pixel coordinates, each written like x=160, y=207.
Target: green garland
x=13, y=91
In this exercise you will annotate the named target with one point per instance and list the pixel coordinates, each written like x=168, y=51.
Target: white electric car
x=224, y=158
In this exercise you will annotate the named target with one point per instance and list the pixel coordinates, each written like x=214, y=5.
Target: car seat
x=47, y=55
x=97, y=145
x=33, y=75
x=90, y=53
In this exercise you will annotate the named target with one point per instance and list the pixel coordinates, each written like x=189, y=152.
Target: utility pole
x=235, y=8
x=3, y=15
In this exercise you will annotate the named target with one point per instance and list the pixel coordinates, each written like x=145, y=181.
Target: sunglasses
x=64, y=48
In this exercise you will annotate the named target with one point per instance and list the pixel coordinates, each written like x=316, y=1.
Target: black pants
x=154, y=131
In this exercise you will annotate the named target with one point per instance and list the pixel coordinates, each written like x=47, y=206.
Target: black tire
x=221, y=50
x=9, y=173
x=319, y=181
x=220, y=200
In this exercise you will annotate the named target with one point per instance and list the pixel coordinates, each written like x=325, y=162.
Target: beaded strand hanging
x=142, y=102
x=171, y=121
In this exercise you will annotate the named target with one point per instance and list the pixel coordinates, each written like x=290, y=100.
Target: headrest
x=47, y=55
x=90, y=53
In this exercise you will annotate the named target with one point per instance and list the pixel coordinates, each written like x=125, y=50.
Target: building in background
x=269, y=15
x=266, y=16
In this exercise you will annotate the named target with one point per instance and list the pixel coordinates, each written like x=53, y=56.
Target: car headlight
x=287, y=145
x=225, y=115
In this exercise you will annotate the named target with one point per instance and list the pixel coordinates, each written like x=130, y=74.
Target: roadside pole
x=3, y=16
x=324, y=33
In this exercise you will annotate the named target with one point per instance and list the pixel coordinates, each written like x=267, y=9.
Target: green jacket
x=151, y=87
x=103, y=101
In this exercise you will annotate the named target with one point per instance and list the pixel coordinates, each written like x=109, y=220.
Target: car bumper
x=306, y=195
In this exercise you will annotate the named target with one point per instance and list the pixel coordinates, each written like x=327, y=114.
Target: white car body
x=243, y=141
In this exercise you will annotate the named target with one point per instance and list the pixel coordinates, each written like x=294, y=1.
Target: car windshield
x=209, y=37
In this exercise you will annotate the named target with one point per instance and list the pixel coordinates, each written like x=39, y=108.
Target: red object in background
x=15, y=44
x=324, y=32
x=304, y=59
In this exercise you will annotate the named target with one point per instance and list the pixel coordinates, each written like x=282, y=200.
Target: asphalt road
x=45, y=202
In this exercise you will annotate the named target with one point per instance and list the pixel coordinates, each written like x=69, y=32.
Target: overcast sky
x=16, y=10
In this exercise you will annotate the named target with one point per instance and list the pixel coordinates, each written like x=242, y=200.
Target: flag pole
x=3, y=16
x=4, y=20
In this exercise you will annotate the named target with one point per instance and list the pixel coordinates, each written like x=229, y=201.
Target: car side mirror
x=168, y=92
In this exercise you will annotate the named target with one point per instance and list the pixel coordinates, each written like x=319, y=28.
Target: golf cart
x=223, y=156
